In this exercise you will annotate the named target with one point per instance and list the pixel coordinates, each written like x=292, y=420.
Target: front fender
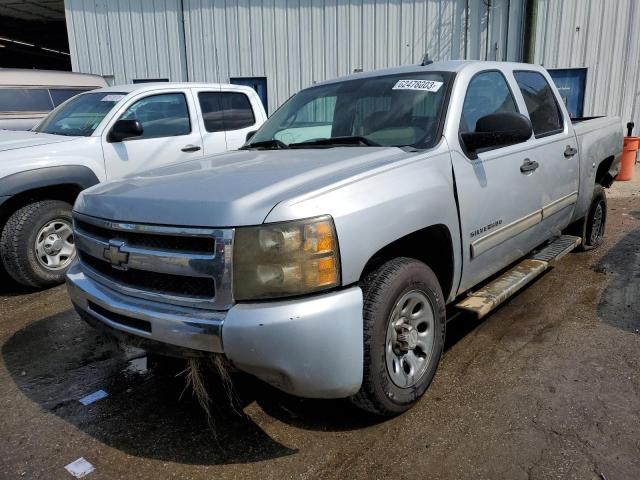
x=77, y=175
x=382, y=206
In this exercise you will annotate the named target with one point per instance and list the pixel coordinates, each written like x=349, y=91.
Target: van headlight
x=283, y=259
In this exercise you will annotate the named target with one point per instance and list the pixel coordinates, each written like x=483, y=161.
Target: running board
x=496, y=292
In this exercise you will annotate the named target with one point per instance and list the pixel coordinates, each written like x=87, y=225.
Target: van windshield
x=400, y=110
x=79, y=116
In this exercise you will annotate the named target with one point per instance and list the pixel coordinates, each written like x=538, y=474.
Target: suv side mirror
x=124, y=129
x=497, y=130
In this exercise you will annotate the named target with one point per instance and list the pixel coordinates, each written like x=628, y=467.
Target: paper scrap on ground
x=94, y=397
x=80, y=468
x=424, y=85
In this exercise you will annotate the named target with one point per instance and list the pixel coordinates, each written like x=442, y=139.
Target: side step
x=494, y=293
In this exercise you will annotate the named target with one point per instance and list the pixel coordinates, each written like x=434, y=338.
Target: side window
x=487, y=93
x=544, y=112
x=164, y=115
x=25, y=100
x=222, y=111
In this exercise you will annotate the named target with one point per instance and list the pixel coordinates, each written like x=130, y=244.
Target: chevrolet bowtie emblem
x=114, y=254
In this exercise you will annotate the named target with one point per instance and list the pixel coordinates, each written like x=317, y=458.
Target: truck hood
x=11, y=140
x=231, y=189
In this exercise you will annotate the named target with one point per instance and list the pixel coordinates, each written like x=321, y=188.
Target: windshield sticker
x=112, y=98
x=424, y=85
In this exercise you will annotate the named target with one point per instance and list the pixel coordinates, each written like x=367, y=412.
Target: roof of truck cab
x=453, y=66
x=147, y=87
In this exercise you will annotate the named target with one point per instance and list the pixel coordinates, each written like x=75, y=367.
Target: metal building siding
x=604, y=37
x=129, y=39
x=293, y=43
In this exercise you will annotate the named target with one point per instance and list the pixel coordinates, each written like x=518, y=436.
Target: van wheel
x=36, y=245
x=404, y=329
x=591, y=228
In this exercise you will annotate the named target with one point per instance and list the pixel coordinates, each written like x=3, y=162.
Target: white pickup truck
x=104, y=134
x=320, y=257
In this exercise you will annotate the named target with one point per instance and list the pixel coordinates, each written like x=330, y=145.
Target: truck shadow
x=148, y=412
x=58, y=360
x=619, y=304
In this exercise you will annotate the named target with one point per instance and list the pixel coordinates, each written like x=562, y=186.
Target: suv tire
x=404, y=330
x=36, y=244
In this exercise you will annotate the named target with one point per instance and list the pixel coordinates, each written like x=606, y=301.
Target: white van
x=26, y=96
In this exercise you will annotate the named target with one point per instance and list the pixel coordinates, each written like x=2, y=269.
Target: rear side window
x=488, y=93
x=165, y=115
x=61, y=95
x=25, y=100
x=543, y=108
x=222, y=111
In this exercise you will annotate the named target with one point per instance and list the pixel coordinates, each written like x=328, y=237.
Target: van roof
x=23, y=77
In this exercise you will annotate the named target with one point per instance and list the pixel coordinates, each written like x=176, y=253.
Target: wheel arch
x=432, y=245
x=604, y=175
x=49, y=183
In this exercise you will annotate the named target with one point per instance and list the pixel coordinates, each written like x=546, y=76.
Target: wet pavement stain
x=547, y=386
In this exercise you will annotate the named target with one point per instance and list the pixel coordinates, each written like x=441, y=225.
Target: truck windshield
x=79, y=116
x=401, y=110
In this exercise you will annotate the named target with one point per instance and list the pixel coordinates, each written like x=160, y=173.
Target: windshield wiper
x=272, y=144
x=336, y=141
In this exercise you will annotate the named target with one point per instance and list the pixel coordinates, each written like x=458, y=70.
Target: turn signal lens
x=284, y=259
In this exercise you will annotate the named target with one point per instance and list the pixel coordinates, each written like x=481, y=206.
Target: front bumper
x=310, y=347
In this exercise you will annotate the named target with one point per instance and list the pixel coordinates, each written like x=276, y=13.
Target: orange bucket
x=629, y=152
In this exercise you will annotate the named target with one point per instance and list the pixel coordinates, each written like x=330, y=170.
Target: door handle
x=529, y=166
x=190, y=148
x=570, y=151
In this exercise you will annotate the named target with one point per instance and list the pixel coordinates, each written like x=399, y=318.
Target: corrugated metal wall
x=604, y=37
x=295, y=43
x=292, y=43
x=127, y=39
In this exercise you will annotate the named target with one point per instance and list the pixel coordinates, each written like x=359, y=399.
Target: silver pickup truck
x=321, y=257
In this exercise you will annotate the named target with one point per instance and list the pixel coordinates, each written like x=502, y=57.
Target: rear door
x=500, y=205
x=171, y=134
x=555, y=149
x=227, y=116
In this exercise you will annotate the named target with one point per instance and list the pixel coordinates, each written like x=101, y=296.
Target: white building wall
x=293, y=43
x=604, y=37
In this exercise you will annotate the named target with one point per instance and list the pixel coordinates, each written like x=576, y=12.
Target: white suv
x=100, y=135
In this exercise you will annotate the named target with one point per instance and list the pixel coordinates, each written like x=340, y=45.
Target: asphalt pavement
x=547, y=386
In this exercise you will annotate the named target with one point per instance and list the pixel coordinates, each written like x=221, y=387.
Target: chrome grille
x=183, y=266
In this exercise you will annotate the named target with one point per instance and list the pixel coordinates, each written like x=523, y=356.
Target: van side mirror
x=497, y=130
x=124, y=129
x=250, y=135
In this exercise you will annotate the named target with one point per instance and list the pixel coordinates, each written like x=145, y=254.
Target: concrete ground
x=546, y=387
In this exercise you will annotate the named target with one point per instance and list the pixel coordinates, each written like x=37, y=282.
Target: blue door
x=571, y=83
x=259, y=84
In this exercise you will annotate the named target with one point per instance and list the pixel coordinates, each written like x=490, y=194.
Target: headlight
x=282, y=259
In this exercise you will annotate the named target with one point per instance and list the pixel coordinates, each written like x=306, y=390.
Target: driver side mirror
x=124, y=129
x=497, y=130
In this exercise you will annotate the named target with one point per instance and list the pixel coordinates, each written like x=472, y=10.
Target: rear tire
x=36, y=244
x=592, y=227
x=404, y=330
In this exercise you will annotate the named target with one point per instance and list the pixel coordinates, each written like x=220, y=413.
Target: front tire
x=404, y=330
x=36, y=244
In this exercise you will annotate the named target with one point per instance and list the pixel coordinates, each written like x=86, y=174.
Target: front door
x=500, y=204
x=170, y=134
